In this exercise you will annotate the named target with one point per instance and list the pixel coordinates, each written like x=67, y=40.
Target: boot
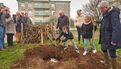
x=114, y=63
x=106, y=60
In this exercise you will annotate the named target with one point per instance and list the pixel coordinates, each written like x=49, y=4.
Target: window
x=23, y=10
x=29, y=5
x=53, y=5
x=22, y=4
x=30, y=12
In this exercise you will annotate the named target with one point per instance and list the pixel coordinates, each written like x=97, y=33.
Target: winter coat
x=111, y=28
x=63, y=21
x=28, y=20
x=79, y=20
x=87, y=30
x=3, y=19
x=10, y=28
x=67, y=36
x=18, y=22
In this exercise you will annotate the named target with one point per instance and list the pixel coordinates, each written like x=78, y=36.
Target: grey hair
x=103, y=4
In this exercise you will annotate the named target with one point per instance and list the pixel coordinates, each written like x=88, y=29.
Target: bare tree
x=91, y=9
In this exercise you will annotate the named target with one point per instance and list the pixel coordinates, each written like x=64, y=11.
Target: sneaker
x=2, y=49
x=94, y=51
x=85, y=53
x=65, y=48
x=77, y=51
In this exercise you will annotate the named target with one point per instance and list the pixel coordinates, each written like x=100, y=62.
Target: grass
x=9, y=56
x=73, y=31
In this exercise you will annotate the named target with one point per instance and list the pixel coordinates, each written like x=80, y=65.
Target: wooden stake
x=22, y=32
x=41, y=29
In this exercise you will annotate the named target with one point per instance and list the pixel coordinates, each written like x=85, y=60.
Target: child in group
x=87, y=29
x=67, y=36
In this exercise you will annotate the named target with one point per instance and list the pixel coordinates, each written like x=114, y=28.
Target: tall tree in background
x=91, y=9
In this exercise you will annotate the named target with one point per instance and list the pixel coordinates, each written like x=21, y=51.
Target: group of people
x=10, y=25
x=110, y=31
x=110, y=34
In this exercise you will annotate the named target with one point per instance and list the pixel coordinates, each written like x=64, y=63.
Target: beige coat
x=79, y=20
x=10, y=28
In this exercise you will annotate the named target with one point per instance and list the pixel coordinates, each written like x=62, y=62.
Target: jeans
x=72, y=41
x=112, y=52
x=2, y=36
x=86, y=42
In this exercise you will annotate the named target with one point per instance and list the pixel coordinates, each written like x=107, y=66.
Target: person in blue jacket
x=110, y=32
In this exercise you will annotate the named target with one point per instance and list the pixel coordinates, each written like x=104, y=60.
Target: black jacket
x=63, y=21
x=87, y=30
x=67, y=36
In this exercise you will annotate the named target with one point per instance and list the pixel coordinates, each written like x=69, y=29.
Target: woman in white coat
x=10, y=30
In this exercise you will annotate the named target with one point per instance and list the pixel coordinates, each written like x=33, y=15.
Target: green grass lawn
x=10, y=55
x=73, y=31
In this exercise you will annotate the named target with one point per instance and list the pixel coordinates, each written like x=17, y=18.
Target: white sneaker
x=65, y=48
x=77, y=51
x=94, y=51
x=85, y=53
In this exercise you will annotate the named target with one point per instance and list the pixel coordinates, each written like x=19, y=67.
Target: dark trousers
x=112, y=52
x=79, y=30
x=10, y=39
x=60, y=30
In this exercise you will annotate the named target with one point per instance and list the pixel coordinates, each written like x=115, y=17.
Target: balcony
x=41, y=20
x=42, y=13
x=42, y=6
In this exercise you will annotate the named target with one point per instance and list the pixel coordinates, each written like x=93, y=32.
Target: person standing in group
x=18, y=27
x=3, y=16
x=87, y=29
x=28, y=20
x=79, y=20
x=23, y=24
x=110, y=32
x=10, y=30
x=63, y=20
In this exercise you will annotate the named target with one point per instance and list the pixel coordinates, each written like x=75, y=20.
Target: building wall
x=55, y=7
x=65, y=7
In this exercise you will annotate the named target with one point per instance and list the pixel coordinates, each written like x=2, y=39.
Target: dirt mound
x=39, y=58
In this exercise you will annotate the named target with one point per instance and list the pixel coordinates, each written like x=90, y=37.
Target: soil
x=39, y=58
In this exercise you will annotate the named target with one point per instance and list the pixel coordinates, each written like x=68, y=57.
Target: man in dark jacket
x=67, y=36
x=62, y=21
x=3, y=28
x=110, y=36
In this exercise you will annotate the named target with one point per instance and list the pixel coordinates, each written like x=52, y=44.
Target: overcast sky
x=75, y=4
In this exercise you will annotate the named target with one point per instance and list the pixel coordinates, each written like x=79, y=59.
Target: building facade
x=42, y=11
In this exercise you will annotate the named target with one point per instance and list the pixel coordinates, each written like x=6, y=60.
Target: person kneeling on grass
x=87, y=29
x=67, y=35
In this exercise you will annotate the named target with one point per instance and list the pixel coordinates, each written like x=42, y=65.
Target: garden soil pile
x=39, y=58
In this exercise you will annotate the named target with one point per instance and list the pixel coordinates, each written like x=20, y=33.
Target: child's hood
x=87, y=23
